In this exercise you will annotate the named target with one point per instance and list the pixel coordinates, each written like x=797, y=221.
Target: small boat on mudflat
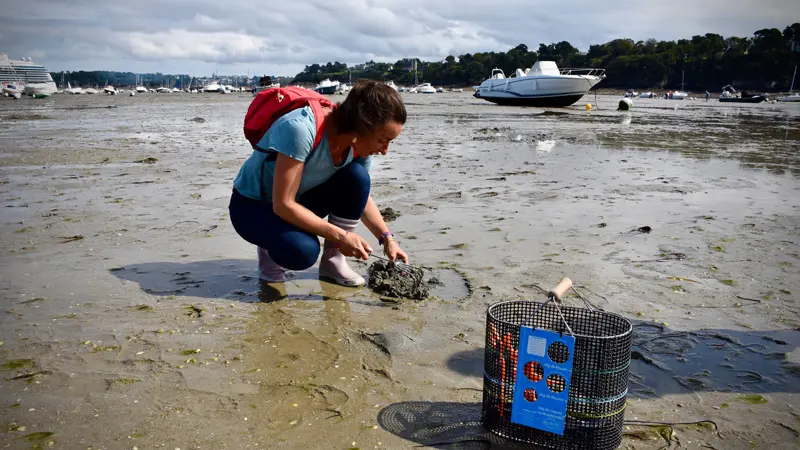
x=729, y=95
x=791, y=98
x=542, y=85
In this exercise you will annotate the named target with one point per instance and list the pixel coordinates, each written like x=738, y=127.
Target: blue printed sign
x=541, y=389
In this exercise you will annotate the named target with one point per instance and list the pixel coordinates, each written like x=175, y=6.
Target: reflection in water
x=271, y=292
x=760, y=136
x=786, y=127
x=306, y=288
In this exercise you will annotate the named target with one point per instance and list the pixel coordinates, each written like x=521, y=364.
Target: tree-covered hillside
x=764, y=61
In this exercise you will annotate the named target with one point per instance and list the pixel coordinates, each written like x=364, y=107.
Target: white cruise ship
x=23, y=75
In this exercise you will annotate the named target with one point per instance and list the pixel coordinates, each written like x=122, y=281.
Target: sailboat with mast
x=677, y=95
x=139, y=86
x=413, y=89
x=791, y=98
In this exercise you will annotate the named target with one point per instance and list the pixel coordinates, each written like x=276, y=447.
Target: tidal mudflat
x=132, y=315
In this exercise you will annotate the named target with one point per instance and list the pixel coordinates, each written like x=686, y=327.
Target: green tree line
x=764, y=61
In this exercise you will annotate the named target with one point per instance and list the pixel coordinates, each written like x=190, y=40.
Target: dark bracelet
x=383, y=237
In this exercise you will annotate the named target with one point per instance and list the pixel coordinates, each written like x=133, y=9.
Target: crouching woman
x=281, y=196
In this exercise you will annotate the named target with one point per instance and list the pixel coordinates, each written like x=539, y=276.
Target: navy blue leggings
x=344, y=195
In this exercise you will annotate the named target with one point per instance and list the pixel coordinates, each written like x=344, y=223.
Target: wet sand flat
x=132, y=315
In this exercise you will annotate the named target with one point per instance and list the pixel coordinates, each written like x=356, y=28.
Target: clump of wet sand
x=389, y=214
x=392, y=280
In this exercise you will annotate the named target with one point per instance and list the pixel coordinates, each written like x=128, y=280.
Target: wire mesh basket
x=599, y=380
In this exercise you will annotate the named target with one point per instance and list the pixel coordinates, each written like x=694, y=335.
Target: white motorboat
x=731, y=95
x=327, y=87
x=10, y=89
x=648, y=95
x=110, y=90
x=544, y=84
x=631, y=94
x=426, y=88
x=90, y=91
x=163, y=90
x=213, y=86
x=40, y=90
x=391, y=84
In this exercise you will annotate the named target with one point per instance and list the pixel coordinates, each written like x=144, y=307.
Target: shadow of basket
x=444, y=425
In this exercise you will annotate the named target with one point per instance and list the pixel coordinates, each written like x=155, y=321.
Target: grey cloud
x=205, y=35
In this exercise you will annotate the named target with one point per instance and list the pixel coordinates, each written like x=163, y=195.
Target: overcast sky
x=279, y=37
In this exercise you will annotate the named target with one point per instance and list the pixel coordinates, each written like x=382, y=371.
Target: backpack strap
x=319, y=118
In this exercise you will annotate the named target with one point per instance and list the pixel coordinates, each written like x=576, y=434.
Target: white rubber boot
x=333, y=265
x=268, y=270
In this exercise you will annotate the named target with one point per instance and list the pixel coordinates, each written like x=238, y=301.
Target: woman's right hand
x=355, y=246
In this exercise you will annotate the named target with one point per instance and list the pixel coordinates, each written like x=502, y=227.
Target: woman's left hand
x=393, y=251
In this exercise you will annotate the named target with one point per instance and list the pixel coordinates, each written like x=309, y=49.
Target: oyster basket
x=599, y=382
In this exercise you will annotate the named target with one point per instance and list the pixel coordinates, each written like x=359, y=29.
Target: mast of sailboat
x=415, y=72
x=682, y=80
x=795, y=74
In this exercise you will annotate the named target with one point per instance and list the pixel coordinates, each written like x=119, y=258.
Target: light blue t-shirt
x=292, y=135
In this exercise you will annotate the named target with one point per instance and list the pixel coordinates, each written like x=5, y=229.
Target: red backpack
x=272, y=103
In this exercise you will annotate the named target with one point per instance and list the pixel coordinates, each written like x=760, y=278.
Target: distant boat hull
x=753, y=99
x=790, y=98
x=676, y=95
x=46, y=89
x=543, y=101
x=326, y=90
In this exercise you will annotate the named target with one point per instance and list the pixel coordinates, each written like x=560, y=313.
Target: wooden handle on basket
x=560, y=290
